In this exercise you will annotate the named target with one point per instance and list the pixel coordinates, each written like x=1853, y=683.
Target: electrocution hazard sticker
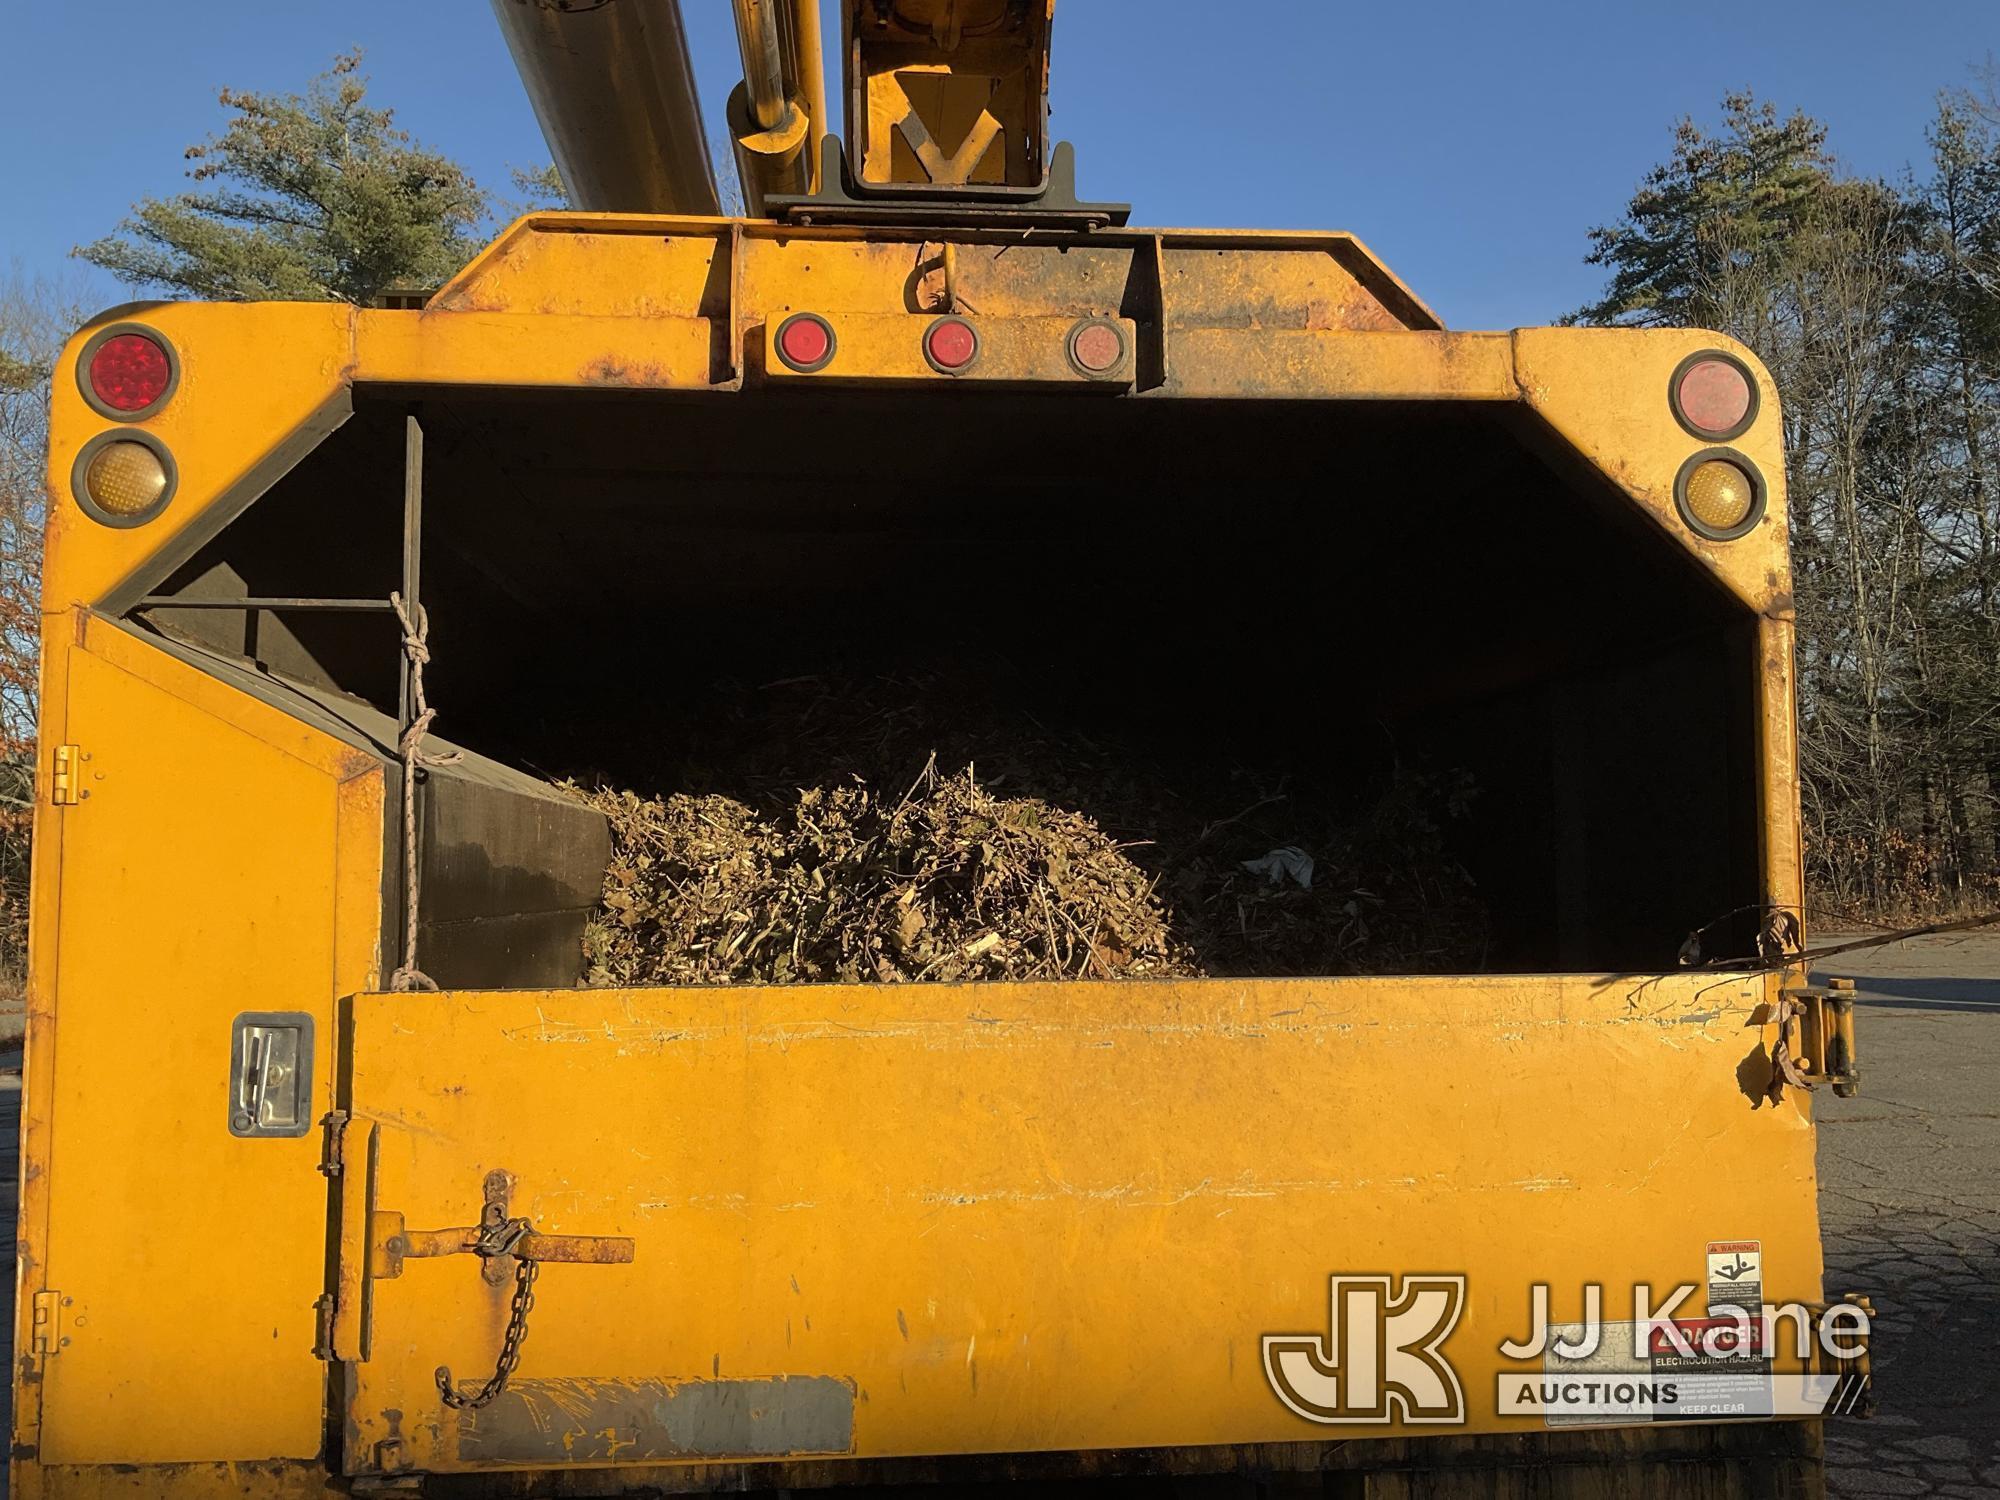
x=1691, y=1370
x=1735, y=1274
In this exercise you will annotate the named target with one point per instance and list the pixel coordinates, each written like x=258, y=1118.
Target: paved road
x=1910, y=1201
x=1909, y=1195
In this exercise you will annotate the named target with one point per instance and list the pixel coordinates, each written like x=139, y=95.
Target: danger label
x=1695, y=1370
x=1735, y=1274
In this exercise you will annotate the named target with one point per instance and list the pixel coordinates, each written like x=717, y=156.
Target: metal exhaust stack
x=613, y=89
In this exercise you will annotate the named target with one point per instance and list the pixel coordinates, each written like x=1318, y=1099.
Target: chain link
x=525, y=1272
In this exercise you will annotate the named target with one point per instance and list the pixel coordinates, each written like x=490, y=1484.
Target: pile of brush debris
x=1016, y=853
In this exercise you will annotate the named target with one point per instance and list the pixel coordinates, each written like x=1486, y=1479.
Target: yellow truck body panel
x=885, y=1224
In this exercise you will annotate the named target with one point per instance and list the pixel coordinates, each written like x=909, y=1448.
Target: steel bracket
x=1052, y=205
x=1815, y=1042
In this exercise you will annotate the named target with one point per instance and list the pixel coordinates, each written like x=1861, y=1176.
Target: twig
x=928, y=774
x=1811, y=955
x=1213, y=829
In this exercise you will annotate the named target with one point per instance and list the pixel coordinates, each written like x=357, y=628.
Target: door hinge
x=323, y=1306
x=330, y=1151
x=46, y=1337
x=1815, y=1040
x=66, y=788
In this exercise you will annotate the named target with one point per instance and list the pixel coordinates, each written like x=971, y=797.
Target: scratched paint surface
x=563, y=1422
x=1022, y=1218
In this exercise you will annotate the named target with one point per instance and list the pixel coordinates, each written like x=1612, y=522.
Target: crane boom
x=613, y=89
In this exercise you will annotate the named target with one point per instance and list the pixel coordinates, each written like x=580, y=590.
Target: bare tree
x=1877, y=309
x=36, y=316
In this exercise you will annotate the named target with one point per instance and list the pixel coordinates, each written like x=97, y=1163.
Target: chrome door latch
x=270, y=1075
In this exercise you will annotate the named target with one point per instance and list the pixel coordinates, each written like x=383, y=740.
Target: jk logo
x=1380, y=1358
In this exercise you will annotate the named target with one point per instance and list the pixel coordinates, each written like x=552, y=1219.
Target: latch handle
x=499, y=1239
x=507, y=1246
x=393, y=1244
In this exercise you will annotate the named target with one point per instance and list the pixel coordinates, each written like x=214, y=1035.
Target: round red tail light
x=806, y=342
x=127, y=373
x=951, y=345
x=1714, y=396
x=1097, y=347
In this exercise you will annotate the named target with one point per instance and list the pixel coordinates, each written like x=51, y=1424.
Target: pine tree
x=315, y=197
x=1718, y=208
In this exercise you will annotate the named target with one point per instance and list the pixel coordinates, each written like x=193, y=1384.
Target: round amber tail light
x=1720, y=495
x=124, y=478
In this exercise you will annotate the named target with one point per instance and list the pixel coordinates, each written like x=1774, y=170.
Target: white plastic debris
x=1289, y=863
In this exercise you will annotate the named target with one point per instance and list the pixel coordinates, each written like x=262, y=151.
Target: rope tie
x=416, y=647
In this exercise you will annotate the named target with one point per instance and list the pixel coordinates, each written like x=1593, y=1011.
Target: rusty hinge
x=1815, y=1041
x=66, y=788
x=331, y=1150
x=46, y=1337
x=323, y=1306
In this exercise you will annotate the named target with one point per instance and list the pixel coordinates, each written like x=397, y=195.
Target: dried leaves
x=948, y=883
x=1074, y=857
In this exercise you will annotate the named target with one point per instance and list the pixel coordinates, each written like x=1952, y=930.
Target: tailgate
x=954, y=1220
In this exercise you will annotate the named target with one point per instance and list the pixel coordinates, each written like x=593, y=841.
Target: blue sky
x=1471, y=144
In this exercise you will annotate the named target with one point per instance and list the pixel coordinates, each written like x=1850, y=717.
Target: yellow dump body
x=807, y=1236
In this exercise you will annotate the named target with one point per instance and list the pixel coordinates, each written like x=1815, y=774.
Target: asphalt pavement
x=1910, y=1208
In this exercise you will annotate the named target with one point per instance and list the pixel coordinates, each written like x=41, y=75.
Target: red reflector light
x=1714, y=397
x=1097, y=348
x=128, y=375
x=806, y=342
x=951, y=345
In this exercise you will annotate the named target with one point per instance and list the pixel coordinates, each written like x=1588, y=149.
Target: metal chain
x=416, y=646
x=525, y=1272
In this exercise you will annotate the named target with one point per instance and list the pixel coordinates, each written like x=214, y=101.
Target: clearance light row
x=126, y=476
x=1720, y=493
x=1096, y=347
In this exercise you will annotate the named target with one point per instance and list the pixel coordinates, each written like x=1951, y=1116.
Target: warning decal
x=1697, y=1370
x=1735, y=1274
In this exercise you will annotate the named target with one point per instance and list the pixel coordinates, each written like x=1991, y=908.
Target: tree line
x=1875, y=304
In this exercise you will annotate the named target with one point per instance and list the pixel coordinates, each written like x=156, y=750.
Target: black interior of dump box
x=1245, y=599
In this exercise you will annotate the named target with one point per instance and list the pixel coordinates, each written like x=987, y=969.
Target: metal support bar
x=290, y=606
